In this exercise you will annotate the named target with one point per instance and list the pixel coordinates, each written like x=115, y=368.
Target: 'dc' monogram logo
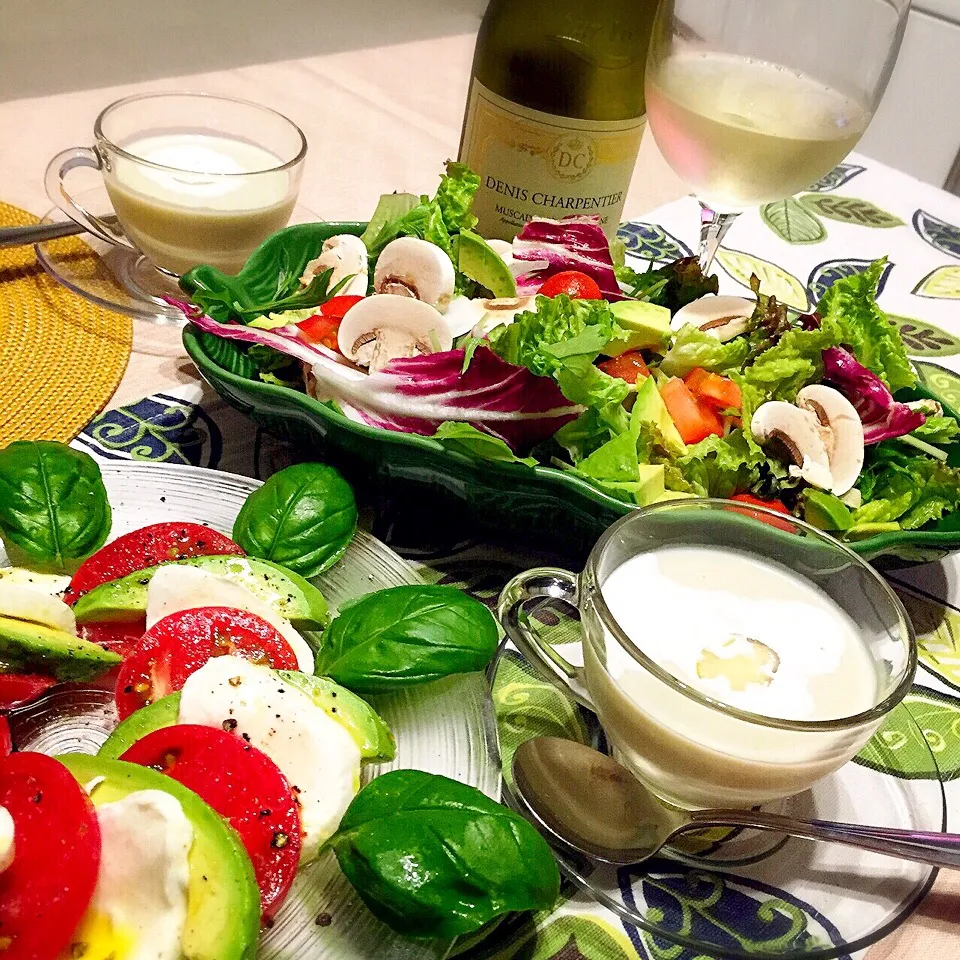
x=573, y=156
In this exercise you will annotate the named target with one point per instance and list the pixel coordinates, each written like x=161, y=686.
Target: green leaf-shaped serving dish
x=535, y=505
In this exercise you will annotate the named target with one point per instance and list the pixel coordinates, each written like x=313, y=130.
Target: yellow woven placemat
x=61, y=357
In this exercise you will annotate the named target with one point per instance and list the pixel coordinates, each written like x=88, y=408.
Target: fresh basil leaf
x=433, y=858
x=54, y=509
x=303, y=518
x=404, y=636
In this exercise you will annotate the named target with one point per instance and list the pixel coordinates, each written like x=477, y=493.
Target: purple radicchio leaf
x=883, y=417
x=575, y=243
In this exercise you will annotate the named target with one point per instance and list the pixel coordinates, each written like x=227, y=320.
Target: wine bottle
x=556, y=109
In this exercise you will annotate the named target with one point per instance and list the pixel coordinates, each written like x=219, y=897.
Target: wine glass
x=751, y=101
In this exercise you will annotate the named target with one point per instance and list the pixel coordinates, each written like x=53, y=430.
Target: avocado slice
x=223, y=901
x=826, y=511
x=361, y=721
x=286, y=592
x=354, y=714
x=481, y=263
x=647, y=326
x=649, y=407
x=27, y=647
x=165, y=712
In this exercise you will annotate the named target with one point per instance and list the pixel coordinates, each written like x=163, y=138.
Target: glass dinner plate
x=439, y=727
x=115, y=277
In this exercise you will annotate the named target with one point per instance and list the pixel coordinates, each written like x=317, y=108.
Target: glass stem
x=713, y=228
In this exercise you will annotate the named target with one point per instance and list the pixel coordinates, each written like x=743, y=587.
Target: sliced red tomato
x=323, y=326
x=118, y=637
x=694, y=421
x=579, y=286
x=6, y=739
x=244, y=786
x=179, y=645
x=48, y=887
x=629, y=366
x=774, y=505
x=144, y=548
x=18, y=689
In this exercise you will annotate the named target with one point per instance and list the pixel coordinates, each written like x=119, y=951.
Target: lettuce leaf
x=900, y=486
x=672, y=286
x=466, y=438
x=392, y=206
x=938, y=429
x=693, y=348
x=721, y=466
x=866, y=330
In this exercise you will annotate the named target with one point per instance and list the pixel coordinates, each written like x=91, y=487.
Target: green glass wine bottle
x=556, y=109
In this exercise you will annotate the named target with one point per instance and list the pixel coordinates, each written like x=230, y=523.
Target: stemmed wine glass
x=751, y=101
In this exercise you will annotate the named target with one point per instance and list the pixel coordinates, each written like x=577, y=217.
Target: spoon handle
x=935, y=849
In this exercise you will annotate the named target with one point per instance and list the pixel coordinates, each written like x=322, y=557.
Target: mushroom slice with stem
x=480, y=316
x=346, y=255
x=411, y=267
x=841, y=430
x=388, y=327
x=721, y=317
x=798, y=431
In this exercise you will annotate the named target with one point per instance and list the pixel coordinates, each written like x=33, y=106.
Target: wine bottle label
x=534, y=164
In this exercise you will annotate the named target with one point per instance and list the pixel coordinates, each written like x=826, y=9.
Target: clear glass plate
x=115, y=277
x=438, y=727
x=746, y=894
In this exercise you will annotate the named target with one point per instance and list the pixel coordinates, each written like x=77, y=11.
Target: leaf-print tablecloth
x=798, y=247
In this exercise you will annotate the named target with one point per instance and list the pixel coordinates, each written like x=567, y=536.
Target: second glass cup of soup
x=192, y=178
x=733, y=656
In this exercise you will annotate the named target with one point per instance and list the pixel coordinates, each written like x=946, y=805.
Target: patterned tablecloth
x=798, y=247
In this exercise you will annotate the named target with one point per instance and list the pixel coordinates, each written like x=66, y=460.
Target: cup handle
x=57, y=170
x=543, y=583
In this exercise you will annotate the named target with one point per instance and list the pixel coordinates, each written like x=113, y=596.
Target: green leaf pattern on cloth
x=792, y=221
x=943, y=382
x=938, y=636
x=941, y=284
x=850, y=210
x=840, y=175
x=774, y=280
x=924, y=339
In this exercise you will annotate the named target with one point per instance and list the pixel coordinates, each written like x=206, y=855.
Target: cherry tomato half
x=323, y=326
x=179, y=645
x=17, y=689
x=48, y=887
x=629, y=366
x=774, y=505
x=244, y=786
x=573, y=283
x=144, y=548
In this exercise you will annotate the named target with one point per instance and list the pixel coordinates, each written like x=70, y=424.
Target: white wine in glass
x=751, y=101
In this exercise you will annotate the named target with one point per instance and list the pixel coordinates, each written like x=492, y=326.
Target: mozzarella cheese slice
x=139, y=907
x=317, y=755
x=181, y=587
x=35, y=606
x=7, y=850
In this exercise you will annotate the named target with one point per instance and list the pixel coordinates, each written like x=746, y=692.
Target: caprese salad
x=237, y=752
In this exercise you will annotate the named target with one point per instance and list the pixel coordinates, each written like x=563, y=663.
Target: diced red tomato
x=18, y=689
x=179, y=645
x=694, y=420
x=629, y=366
x=579, y=286
x=244, y=786
x=774, y=505
x=323, y=326
x=48, y=887
x=720, y=392
x=144, y=548
x=6, y=740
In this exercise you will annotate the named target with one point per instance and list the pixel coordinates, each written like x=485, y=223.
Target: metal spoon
x=39, y=232
x=591, y=803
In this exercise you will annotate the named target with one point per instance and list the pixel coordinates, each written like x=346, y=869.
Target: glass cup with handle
x=803, y=646
x=752, y=101
x=193, y=178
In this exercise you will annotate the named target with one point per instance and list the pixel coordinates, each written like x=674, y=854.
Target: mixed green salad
x=552, y=351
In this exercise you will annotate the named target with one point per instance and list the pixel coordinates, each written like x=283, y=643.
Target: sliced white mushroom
x=721, y=317
x=798, y=431
x=390, y=327
x=346, y=255
x=411, y=267
x=841, y=430
x=480, y=316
